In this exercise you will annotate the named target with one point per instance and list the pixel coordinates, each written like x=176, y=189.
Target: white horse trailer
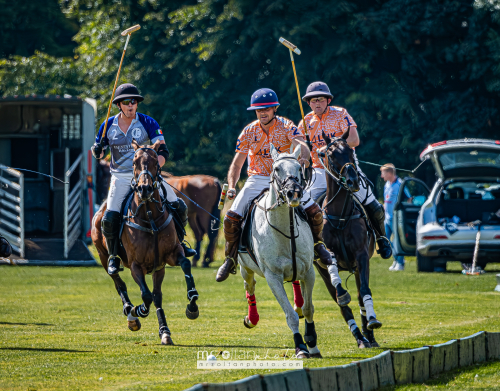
x=47, y=221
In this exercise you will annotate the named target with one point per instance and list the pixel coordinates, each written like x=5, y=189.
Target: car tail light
x=439, y=143
x=497, y=142
x=435, y=237
x=497, y=237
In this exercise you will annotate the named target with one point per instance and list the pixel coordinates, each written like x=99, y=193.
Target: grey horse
x=273, y=251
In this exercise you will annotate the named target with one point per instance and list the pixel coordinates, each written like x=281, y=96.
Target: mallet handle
x=114, y=88
x=131, y=30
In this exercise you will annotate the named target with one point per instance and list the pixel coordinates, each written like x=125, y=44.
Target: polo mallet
x=128, y=32
x=473, y=271
x=292, y=48
x=225, y=187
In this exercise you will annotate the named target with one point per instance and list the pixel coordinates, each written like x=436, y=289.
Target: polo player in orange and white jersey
x=335, y=121
x=254, y=144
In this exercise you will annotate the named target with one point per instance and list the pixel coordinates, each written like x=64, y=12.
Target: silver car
x=441, y=224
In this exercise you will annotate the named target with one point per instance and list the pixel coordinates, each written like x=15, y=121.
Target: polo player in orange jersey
x=254, y=143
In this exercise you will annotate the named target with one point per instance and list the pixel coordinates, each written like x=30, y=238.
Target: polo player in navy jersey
x=121, y=130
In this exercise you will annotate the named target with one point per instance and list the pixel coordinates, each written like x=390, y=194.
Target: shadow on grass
x=231, y=346
x=50, y=350
x=26, y=324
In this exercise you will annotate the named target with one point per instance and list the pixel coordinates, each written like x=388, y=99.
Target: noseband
x=340, y=177
x=135, y=180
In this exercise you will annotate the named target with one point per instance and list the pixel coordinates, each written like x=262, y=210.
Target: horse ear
x=296, y=152
x=327, y=139
x=274, y=152
x=346, y=134
x=135, y=145
x=156, y=145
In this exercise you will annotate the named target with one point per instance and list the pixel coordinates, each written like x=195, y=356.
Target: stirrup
x=235, y=264
x=383, y=238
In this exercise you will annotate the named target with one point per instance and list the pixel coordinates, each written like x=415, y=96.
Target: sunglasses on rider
x=320, y=99
x=126, y=102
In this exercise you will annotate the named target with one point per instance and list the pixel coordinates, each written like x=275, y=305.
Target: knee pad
x=376, y=210
x=110, y=224
x=182, y=211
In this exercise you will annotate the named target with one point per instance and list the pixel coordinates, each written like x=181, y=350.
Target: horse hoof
x=166, y=340
x=134, y=325
x=374, y=324
x=247, y=323
x=314, y=352
x=299, y=312
x=205, y=264
x=363, y=344
x=192, y=314
x=374, y=344
x=344, y=300
x=301, y=353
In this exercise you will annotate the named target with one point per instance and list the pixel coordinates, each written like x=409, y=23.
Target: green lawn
x=63, y=327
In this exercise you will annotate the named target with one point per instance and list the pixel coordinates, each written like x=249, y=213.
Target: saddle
x=246, y=242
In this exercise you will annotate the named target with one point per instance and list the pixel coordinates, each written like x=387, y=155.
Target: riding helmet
x=127, y=91
x=263, y=98
x=316, y=89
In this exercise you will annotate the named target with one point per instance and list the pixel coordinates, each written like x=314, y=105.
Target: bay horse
x=276, y=257
x=149, y=242
x=205, y=190
x=346, y=234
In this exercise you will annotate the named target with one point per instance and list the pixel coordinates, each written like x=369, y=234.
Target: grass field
x=62, y=328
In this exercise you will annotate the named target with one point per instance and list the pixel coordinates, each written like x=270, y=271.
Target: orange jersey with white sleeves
x=254, y=142
x=334, y=123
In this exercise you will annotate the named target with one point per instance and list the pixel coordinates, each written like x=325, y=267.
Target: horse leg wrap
x=141, y=311
x=297, y=294
x=310, y=335
x=352, y=326
x=368, y=302
x=333, y=270
x=162, y=321
x=127, y=307
x=186, y=268
x=253, y=315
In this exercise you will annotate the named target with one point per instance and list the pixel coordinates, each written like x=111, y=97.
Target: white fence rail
x=72, y=204
x=12, y=207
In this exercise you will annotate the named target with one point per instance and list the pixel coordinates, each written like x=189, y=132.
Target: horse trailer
x=47, y=220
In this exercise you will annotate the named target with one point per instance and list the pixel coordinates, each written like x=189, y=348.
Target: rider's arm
x=304, y=150
x=234, y=172
x=353, y=139
x=161, y=159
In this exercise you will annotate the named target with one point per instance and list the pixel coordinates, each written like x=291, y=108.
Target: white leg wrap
x=130, y=318
x=313, y=350
x=352, y=325
x=334, y=274
x=368, y=302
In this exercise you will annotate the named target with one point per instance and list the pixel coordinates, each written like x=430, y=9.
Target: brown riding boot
x=315, y=220
x=232, y=230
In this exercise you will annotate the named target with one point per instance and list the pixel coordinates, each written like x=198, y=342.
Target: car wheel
x=424, y=264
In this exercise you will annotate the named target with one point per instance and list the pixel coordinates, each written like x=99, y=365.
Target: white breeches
x=120, y=186
x=252, y=188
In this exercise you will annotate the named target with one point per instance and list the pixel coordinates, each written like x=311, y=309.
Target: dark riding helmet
x=316, y=89
x=263, y=98
x=127, y=91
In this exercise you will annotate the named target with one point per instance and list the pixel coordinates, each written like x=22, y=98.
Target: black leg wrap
x=310, y=335
x=297, y=339
x=140, y=311
x=127, y=307
x=162, y=321
x=186, y=268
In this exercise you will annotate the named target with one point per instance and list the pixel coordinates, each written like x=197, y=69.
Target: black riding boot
x=110, y=225
x=376, y=215
x=181, y=220
x=5, y=247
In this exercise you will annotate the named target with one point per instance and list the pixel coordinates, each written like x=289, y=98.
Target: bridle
x=290, y=183
x=156, y=180
x=339, y=177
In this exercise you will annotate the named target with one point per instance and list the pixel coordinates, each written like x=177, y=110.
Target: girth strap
x=337, y=218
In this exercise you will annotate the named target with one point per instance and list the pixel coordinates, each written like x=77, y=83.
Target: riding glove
x=96, y=150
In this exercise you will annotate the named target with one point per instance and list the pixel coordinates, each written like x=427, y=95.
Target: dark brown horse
x=346, y=234
x=149, y=243
x=205, y=191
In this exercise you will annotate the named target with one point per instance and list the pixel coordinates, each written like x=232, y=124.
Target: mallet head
x=290, y=45
x=131, y=30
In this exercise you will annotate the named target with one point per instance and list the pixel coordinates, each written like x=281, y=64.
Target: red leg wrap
x=297, y=294
x=253, y=315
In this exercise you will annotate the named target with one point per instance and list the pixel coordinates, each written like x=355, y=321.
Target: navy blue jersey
x=143, y=129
